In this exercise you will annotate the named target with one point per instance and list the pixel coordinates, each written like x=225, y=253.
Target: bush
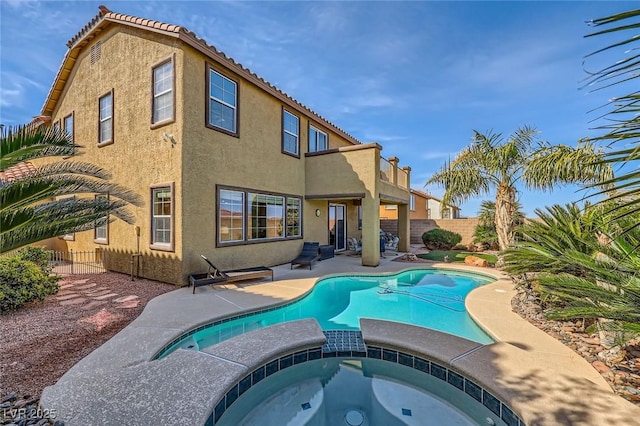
x=38, y=255
x=439, y=239
x=23, y=281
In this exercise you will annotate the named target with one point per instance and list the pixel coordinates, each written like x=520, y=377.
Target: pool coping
x=118, y=381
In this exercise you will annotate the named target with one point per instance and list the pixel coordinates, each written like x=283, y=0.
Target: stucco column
x=407, y=169
x=370, y=231
x=394, y=169
x=404, y=225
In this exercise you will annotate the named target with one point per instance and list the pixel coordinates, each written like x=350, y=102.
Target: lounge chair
x=310, y=253
x=216, y=276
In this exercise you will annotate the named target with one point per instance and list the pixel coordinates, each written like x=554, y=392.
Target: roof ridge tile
x=105, y=13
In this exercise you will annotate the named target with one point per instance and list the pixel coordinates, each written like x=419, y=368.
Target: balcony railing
x=385, y=170
x=391, y=173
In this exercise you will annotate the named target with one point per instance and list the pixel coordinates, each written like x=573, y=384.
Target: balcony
x=355, y=172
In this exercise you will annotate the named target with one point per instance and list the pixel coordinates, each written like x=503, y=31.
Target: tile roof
x=17, y=172
x=106, y=17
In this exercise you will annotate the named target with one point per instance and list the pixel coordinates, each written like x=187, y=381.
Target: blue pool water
x=424, y=297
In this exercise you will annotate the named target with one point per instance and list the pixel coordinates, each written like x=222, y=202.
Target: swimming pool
x=357, y=391
x=425, y=297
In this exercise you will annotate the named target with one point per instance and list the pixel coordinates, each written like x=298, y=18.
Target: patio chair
x=216, y=276
x=352, y=244
x=310, y=253
x=393, y=244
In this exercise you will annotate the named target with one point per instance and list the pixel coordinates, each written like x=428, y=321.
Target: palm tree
x=491, y=163
x=622, y=121
x=485, y=231
x=31, y=209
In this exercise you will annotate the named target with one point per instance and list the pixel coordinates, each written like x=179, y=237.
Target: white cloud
x=437, y=155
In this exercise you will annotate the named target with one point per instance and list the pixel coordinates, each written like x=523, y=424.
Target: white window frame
x=313, y=144
x=101, y=239
x=243, y=213
x=412, y=202
x=163, y=94
x=106, y=120
x=234, y=108
x=162, y=245
x=290, y=205
x=272, y=203
x=286, y=132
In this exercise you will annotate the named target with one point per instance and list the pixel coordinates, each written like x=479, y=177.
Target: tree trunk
x=505, y=203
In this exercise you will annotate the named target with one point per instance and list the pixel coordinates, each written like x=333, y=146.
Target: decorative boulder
x=476, y=261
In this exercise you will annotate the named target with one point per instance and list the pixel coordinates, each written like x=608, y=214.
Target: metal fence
x=77, y=262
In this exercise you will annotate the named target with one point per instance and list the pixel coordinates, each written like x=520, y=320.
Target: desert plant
x=440, y=239
x=585, y=263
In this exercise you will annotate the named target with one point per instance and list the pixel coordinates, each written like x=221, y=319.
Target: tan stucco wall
x=201, y=158
x=139, y=157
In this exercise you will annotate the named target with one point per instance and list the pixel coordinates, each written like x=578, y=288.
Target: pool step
x=344, y=343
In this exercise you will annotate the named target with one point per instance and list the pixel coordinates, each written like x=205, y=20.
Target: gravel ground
x=41, y=341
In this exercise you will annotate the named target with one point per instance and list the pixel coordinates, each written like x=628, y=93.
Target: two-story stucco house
x=228, y=165
x=422, y=206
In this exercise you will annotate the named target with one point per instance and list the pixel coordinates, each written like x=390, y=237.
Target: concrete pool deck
x=543, y=381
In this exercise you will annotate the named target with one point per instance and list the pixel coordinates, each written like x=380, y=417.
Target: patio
x=542, y=380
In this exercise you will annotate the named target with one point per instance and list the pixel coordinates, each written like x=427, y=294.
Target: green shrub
x=440, y=239
x=38, y=255
x=23, y=281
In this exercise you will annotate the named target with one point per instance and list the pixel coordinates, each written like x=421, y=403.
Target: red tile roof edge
x=106, y=14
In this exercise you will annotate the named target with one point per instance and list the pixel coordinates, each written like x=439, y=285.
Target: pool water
x=360, y=391
x=424, y=297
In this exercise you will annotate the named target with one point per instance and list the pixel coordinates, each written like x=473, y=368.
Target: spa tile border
x=436, y=370
x=166, y=348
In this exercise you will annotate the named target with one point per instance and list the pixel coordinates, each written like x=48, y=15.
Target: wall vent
x=96, y=52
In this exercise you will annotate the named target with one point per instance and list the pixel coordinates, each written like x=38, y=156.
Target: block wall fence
x=464, y=227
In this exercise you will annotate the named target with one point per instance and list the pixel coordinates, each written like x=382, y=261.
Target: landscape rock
x=476, y=261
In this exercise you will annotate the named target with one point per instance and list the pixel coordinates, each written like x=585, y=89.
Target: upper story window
x=163, y=99
x=446, y=213
x=223, y=103
x=318, y=140
x=290, y=133
x=67, y=122
x=105, y=124
x=412, y=202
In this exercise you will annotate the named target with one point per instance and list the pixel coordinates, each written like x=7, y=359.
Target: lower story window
x=101, y=228
x=162, y=217
x=294, y=217
x=230, y=216
x=266, y=216
x=252, y=216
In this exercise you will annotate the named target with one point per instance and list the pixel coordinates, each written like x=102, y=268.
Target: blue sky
x=416, y=77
